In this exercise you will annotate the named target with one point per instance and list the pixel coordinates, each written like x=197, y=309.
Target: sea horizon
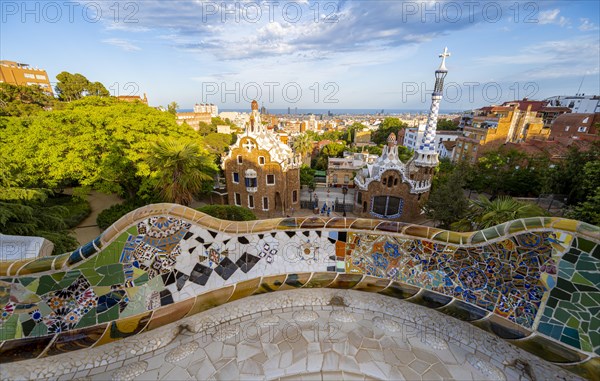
x=342, y=111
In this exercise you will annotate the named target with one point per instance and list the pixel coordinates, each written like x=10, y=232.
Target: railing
x=518, y=280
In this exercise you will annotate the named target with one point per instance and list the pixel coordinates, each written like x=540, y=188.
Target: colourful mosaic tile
x=163, y=268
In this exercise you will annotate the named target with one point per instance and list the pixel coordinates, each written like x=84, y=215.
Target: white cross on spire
x=443, y=57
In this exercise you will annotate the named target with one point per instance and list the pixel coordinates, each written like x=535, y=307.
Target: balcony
x=166, y=283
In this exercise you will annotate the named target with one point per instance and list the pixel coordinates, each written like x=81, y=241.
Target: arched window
x=390, y=181
x=250, y=180
x=387, y=206
x=396, y=181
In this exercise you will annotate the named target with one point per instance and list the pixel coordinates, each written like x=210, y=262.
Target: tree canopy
x=388, y=126
x=23, y=100
x=447, y=125
x=179, y=169
x=71, y=87
x=96, y=142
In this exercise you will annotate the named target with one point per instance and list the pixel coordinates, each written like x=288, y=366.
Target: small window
x=359, y=198
x=250, y=201
x=261, y=160
x=270, y=179
x=239, y=159
x=295, y=196
x=567, y=128
x=335, y=179
x=250, y=182
x=346, y=179
x=396, y=181
x=582, y=129
x=238, y=199
x=384, y=181
x=265, y=203
x=236, y=178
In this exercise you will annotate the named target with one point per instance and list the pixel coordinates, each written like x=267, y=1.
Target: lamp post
x=344, y=191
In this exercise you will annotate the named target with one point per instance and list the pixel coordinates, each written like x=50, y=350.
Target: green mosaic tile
x=91, y=275
x=478, y=238
x=586, y=228
x=57, y=276
x=596, y=252
x=109, y=315
x=137, y=303
x=491, y=233
x=9, y=329
x=573, y=322
x=69, y=278
x=88, y=319
x=141, y=280
x=586, y=344
x=585, y=263
x=595, y=322
x=585, y=245
x=562, y=315
x=112, y=253
x=580, y=279
x=46, y=284
x=44, y=309
x=533, y=223
x=25, y=281
x=570, y=341
x=40, y=329
x=112, y=274
x=33, y=286
x=516, y=226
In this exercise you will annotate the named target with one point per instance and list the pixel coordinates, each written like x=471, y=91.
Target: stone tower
x=426, y=157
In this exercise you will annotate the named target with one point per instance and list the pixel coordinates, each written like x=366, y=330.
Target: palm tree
x=303, y=146
x=484, y=213
x=181, y=168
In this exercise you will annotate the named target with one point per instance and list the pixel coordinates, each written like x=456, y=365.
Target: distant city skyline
x=313, y=55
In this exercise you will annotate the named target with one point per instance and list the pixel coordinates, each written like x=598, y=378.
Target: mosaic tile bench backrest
x=534, y=282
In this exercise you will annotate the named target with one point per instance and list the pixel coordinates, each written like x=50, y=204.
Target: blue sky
x=339, y=54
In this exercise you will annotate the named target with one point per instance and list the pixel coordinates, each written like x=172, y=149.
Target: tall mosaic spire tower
x=426, y=154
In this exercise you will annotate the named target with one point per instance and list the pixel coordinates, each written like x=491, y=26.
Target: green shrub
x=228, y=212
x=78, y=209
x=109, y=216
x=62, y=240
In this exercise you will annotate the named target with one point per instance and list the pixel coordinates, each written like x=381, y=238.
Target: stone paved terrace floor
x=315, y=334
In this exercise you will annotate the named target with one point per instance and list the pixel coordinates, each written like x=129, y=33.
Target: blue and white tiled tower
x=426, y=154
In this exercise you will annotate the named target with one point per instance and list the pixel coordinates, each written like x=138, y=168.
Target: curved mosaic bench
x=533, y=282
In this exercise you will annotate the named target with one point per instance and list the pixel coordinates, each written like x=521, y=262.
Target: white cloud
x=551, y=16
x=553, y=59
x=587, y=25
x=123, y=44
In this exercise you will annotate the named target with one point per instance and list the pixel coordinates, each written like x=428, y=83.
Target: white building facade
x=207, y=108
x=579, y=104
x=414, y=136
